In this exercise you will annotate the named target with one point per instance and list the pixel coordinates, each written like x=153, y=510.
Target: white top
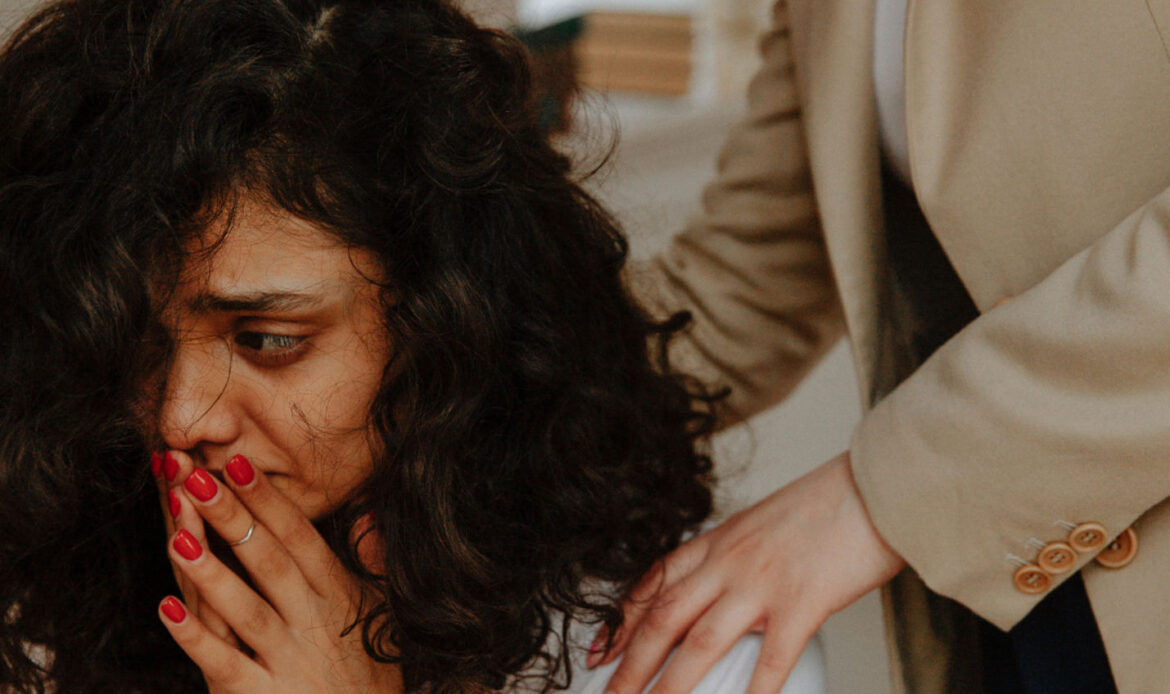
x=889, y=32
x=729, y=676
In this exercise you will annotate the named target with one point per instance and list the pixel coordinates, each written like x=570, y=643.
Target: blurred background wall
x=665, y=79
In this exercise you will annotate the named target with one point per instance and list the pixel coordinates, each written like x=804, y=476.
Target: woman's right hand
x=293, y=619
x=170, y=469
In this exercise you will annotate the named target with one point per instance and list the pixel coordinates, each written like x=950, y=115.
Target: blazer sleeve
x=1053, y=407
x=752, y=268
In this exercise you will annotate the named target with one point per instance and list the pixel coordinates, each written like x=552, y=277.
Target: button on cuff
x=1121, y=551
x=1087, y=538
x=1057, y=558
x=1031, y=579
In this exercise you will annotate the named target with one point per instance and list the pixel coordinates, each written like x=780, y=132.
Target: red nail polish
x=155, y=464
x=173, y=609
x=173, y=500
x=596, y=650
x=187, y=546
x=201, y=485
x=240, y=470
x=170, y=466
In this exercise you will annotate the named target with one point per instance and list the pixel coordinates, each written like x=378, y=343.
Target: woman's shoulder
x=730, y=675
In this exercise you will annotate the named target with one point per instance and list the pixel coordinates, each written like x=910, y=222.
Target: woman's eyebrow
x=261, y=301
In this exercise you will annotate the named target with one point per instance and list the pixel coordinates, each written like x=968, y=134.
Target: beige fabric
x=1039, y=142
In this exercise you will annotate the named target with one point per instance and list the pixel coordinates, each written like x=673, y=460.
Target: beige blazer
x=1039, y=142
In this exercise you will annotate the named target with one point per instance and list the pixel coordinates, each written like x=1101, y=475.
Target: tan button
x=1120, y=552
x=1031, y=579
x=1002, y=300
x=1088, y=537
x=1057, y=558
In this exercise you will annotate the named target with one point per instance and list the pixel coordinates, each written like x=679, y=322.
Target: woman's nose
x=197, y=406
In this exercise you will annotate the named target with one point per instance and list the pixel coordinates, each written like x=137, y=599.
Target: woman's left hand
x=294, y=625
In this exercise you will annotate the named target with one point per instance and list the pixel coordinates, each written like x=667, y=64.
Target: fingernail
x=201, y=485
x=173, y=500
x=173, y=609
x=187, y=546
x=240, y=470
x=155, y=464
x=596, y=650
x=170, y=466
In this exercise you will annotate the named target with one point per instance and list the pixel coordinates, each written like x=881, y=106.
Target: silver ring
x=245, y=538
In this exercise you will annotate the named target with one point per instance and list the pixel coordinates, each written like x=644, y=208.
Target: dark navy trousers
x=1057, y=648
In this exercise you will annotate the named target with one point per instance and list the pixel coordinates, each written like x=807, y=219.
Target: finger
x=160, y=486
x=662, y=627
x=248, y=614
x=177, y=466
x=172, y=467
x=317, y=562
x=187, y=517
x=220, y=662
x=647, y=595
x=707, y=641
x=156, y=465
x=782, y=646
x=171, y=510
x=268, y=562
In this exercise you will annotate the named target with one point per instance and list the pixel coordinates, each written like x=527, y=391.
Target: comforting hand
x=293, y=625
x=782, y=566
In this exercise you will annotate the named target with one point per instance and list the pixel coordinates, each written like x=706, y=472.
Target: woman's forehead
x=269, y=254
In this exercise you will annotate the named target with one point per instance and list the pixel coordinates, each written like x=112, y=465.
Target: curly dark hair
x=536, y=453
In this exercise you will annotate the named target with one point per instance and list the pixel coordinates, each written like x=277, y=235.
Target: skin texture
x=781, y=566
x=290, y=385
x=279, y=352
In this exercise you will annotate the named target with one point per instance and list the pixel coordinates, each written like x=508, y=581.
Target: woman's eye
x=269, y=348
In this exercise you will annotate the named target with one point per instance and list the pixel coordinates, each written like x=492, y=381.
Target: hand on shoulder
x=781, y=567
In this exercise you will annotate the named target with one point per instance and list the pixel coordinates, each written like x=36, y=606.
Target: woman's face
x=279, y=351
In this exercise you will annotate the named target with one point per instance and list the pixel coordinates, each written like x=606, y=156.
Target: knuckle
x=197, y=644
x=227, y=671
x=255, y=619
x=772, y=663
x=269, y=562
x=659, y=621
x=190, y=639
x=650, y=584
x=225, y=511
x=300, y=532
x=701, y=639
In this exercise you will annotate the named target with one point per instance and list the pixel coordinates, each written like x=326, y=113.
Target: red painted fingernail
x=596, y=650
x=155, y=464
x=187, y=546
x=173, y=609
x=240, y=470
x=170, y=466
x=201, y=485
x=173, y=500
